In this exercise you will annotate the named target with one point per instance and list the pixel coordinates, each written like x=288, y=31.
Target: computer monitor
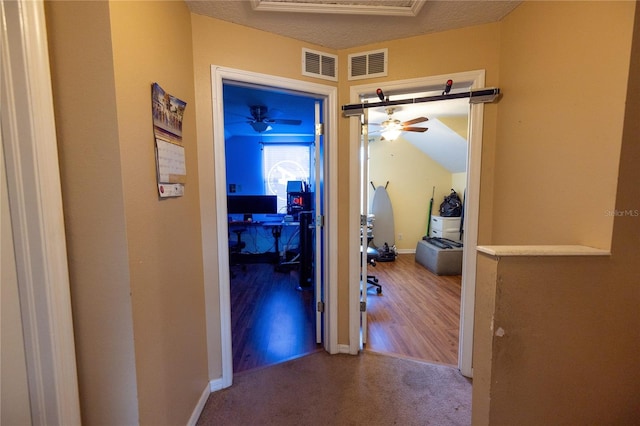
x=252, y=204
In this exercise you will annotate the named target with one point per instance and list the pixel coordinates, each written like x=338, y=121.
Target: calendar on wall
x=168, y=112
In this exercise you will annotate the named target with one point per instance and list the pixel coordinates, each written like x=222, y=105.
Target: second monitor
x=252, y=204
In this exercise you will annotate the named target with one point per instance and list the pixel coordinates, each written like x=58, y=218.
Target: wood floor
x=271, y=319
x=416, y=316
x=418, y=313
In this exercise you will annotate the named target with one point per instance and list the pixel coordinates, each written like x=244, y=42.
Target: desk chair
x=235, y=247
x=372, y=253
x=372, y=258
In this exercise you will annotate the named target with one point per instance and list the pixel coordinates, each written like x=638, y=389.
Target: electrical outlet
x=399, y=237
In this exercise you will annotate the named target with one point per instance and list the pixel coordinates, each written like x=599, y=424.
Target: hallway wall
x=244, y=49
x=559, y=131
x=134, y=259
x=568, y=349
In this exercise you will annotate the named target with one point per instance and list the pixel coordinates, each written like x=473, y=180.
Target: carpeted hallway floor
x=322, y=389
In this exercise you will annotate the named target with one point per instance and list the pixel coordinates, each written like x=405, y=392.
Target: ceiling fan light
x=390, y=134
x=260, y=126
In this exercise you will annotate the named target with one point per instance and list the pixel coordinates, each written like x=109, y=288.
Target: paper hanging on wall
x=168, y=112
x=171, y=163
x=170, y=189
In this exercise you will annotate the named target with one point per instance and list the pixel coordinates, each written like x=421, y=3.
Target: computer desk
x=276, y=230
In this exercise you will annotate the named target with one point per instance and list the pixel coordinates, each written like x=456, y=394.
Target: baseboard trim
x=343, y=349
x=406, y=251
x=199, y=406
x=216, y=385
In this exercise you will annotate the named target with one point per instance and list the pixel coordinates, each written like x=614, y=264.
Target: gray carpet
x=322, y=389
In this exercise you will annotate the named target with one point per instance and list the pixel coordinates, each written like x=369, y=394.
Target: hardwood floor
x=418, y=313
x=271, y=320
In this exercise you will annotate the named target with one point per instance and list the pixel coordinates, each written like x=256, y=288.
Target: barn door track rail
x=476, y=96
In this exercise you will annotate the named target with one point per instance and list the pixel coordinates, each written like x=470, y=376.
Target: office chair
x=235, y=247
x=372, y=257
x=372, y=253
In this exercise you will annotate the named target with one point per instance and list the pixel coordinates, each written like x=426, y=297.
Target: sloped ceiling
x=446, y=139
x=341, y=24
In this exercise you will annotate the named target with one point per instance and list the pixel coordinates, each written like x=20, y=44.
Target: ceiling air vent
x=368, y=64
x=319, y=64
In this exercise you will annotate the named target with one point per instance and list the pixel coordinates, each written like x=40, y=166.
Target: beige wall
x=457, y=123
x=485, y=300
x=233, y=46
x=560, y=121
x=152, y=43
x=569, y=350
x=85, y=108
x=570, y=346
x=135, y=260
x=459, y=183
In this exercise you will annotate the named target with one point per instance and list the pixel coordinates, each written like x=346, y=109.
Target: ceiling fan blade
x=285, y=121
x=414, y=121
x=415, y=129
x=229, y=115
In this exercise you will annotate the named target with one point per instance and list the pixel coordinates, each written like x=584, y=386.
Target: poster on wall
x=168, y=112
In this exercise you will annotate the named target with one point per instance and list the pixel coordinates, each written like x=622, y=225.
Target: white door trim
x=472, y=80
x=33, y=178
x=318, y=255
x=217, y=284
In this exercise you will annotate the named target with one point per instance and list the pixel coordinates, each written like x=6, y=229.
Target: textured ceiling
x=352, y=23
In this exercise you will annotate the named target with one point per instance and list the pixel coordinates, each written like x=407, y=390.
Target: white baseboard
x=343, y=349
x=199, y=406
x=406, y=251
x=216, y=385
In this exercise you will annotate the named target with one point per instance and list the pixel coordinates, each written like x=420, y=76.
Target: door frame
x=37, y=223
x=473, y=80
x=217, y=290
x=318, y=170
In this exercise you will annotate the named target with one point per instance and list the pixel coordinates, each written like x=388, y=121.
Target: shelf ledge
x=542, y=250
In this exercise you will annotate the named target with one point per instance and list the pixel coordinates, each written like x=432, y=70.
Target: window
x=282, y=163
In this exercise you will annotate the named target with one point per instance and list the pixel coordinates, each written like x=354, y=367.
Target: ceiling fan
x=391, y=127
x=261, y=120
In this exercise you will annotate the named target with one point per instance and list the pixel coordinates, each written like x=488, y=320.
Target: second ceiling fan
x=392, y=127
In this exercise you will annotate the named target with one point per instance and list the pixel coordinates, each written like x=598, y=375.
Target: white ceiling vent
x=368, y=64
x=319, y=64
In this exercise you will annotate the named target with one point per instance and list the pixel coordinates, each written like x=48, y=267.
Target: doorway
x=274, y=170
x=467, y=80
x=325, y=292
x=418, y=313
